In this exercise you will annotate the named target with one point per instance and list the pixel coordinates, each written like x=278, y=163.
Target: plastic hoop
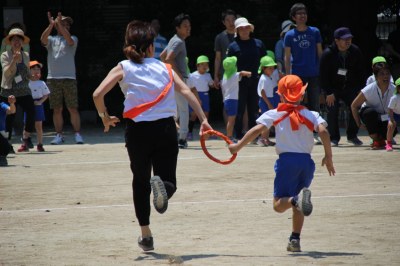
x=219, y=134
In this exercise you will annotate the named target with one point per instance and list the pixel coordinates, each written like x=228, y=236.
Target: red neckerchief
x=293, y=111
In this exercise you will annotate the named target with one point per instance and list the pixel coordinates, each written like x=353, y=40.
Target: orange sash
x=293, y=111
x=137, y=110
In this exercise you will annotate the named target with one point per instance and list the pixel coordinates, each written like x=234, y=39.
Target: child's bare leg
x=282, y=204
x=297, y=220
x=39, y=132
x=146, y=232
x=229, y=126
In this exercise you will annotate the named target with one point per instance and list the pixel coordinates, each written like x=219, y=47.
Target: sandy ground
x=72, y=205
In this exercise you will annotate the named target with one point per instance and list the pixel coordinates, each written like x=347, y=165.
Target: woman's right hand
x=17, y=57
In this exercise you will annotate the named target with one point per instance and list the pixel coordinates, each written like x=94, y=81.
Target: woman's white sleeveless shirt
x=143, y=83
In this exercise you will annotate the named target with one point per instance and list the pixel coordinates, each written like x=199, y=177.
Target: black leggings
x=151, y=145
x=372, y=121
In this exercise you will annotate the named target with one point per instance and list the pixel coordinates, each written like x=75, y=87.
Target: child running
x=394, y=116
x=230, y=92
x=149, y=87
x=294, y=125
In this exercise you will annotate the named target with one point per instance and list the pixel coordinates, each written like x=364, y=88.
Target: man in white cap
x=61, y=77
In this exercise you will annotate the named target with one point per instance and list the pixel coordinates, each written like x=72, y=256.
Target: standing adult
x=61, y=76
x=150, y=132
x=303, y=48
x=175, y=55
x=248, y=51
x=160, y=42
x=221, y=43
x=374, y=101
x=280, y=45
x=15, y=81
x=341, y=78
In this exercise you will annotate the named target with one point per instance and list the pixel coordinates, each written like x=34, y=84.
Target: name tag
x=385, y=117
x=342, y=71
x=18, y=79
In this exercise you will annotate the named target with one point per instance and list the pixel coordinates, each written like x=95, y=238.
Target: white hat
x=286, y=26
x=243, y=22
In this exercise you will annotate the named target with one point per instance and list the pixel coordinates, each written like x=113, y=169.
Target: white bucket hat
x=243, y=22
x=285, y=27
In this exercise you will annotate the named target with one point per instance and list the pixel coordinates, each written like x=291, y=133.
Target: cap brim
x=346, y=36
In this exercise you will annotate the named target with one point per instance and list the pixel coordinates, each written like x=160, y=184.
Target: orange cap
x=34, y=63
x=291, y=87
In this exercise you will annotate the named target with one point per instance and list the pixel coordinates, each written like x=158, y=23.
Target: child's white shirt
x=268, y=84
x=230, y=87
x=199, y=81
x=287, y=140
x=38, y=89
x=394, y=103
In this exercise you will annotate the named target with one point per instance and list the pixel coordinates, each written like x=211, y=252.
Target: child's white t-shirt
x=287, y=140
x=199, y=81
x=38, y=89
x=394, y=103
x=230, y=87
x=268, y=84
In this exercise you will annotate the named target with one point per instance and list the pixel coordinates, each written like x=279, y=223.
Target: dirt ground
x=72, y=205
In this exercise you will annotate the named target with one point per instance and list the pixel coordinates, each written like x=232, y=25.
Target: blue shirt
x=159, y=45
x=303, y=45
x=248, y=53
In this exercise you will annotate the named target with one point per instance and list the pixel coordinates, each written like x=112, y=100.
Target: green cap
x=397, y=83
x=378, y=59
x=271, y=54
x=202, y=59
x=266, y=61
x=229, y=65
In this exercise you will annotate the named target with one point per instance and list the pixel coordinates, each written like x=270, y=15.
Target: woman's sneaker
x=146, y=243
x=160, y=197
x=389, y=147
x=23, y=148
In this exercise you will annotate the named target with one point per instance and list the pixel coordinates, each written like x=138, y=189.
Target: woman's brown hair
x=139, y=36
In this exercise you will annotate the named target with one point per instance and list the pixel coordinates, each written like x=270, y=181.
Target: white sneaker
x=78, y=138
x=58, y=139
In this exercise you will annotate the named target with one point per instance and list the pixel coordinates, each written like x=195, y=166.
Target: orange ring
x=219, y=134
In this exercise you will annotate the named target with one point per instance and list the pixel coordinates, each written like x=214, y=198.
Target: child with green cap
x=230, y=91
x=267, y=87
x=200, y=82
x=375, y=60
x=394, y=116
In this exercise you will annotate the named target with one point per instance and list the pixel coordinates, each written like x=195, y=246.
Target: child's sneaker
x=28, y=142
x=378, y=145
x=146, y=243
x=39, y=147
x=389, y=147
x=294, y=245
x=304, y=202
x=160, y=197
x=23, y=148
x=58, y=139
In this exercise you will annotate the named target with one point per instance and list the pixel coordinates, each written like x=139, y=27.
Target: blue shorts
x=294, y=171
x=231, y=107
x=396, y=117
x=205, y=101
x=275, y=100
x=39, y=113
